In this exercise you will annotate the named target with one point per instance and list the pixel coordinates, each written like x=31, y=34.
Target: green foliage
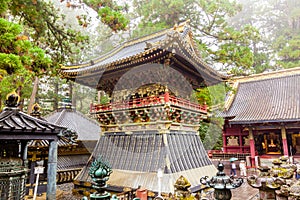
x=290, y=52
x=4, y=6
x=217, y=40
x=114, y=19
x=211, y=133
x=44, y=27
x=20, y=60
x=9, y=63
x=279, y=25
x=104, y=99
x=148, y=28
x=21, y=79
x=37, y=47
x=110, y=13
x=212, y=95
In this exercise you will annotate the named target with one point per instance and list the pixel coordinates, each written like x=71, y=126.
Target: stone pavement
x=245, y=192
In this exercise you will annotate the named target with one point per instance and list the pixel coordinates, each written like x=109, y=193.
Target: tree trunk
x=55, y=103
x=73, y=100
x=19, y=92
x=33, y=94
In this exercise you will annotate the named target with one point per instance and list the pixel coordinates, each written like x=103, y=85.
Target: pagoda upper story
x=149, y=80
x=174, y=48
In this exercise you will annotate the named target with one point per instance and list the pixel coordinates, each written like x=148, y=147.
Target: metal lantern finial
x=100, y=172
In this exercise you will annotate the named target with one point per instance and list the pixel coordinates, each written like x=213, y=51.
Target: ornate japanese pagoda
x=151, y=121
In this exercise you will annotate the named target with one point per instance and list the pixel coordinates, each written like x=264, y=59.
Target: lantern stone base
x=222, y=194
x=95, y=196
x=281, y=197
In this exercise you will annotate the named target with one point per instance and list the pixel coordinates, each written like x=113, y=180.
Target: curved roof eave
x=162, y=42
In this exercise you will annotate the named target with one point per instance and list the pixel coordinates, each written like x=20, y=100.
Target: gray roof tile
x=87, y=129
x=269, y=100
x=135, y=158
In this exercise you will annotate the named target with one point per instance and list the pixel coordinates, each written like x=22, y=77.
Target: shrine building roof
x=15, y=124
x=86, y=128
x=265, y=98
x=174, y=47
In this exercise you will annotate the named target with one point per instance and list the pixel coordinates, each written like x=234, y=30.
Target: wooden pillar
x=241, y=142
x=224, y=142
x=51, y=173
x=25, y=153
x=284, y=141
x=252, y=146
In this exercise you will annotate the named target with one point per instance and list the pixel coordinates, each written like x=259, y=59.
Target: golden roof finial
x=182, y=25
x=12, y=99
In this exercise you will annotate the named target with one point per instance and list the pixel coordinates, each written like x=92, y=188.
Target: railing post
x=167, y=96
x=91, y=107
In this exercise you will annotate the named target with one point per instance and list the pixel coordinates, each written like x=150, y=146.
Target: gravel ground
x=66, y=190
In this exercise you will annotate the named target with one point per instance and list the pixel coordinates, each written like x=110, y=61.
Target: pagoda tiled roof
x=177, y=43
x=86, y=128
x=68, y=162
x=139, y=155
x=266, y=98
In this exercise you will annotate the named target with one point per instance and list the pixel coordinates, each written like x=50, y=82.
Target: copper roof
x=86, y=128
x=67, y=162
x=272, y=97
x=175, y=44
x=135, y=158
x=45, y=143
x=15, y=124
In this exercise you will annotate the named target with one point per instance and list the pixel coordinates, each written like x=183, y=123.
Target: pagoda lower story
x=136, y=158
x=147, y=134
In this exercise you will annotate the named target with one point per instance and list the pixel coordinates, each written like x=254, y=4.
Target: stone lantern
x=222, y=183
x=289, y=192
x=282, y=169
x=285, y=170
x=266, y=183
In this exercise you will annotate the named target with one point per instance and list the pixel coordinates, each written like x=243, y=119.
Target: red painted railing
x=186, y=104
x=148, y=101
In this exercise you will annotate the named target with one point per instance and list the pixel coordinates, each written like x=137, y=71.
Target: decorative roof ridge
x=176, y=29
x=231, y=96
x=195, y=51
x=86, y=117
x=58, y=120
x=18, y=112
x=267, y=75
x=118, y=48
x=73, y=111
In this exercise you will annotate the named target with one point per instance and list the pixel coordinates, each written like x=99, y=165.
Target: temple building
x=151, y=120
x=17, y=129
x=71, y=158
x=262, y=114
